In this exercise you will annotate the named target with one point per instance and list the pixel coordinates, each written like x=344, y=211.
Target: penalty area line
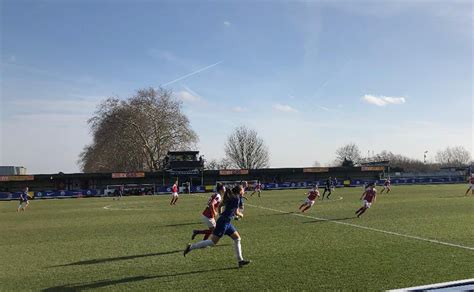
x=367, y=228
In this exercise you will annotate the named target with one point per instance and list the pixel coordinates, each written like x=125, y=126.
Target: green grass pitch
x=137, y=243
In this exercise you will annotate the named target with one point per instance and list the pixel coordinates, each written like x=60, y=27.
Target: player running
x=211, y=212
x=334, y=184
x=313, y=194
x=257, y=189
x=174, y=196
x=369, y=197
x=224, y=226
x=118, y=194
x=24, y=203
x=386, y=186
x=471, y=186
x=327, y=188
x=244, y=184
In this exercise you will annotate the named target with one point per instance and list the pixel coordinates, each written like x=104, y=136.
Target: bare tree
x=453, y=156
x=215, y=164
x=405, y=163
x=348, y=152
x=316, y=164
x=246, y=150
x=136, y=134
x=211, y=164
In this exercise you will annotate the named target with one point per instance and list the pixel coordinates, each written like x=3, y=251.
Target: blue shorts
x=223, y=228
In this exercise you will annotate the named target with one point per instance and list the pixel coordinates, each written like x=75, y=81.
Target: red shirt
x=313, y=194
x=212, y=204
x=472, y=180
x=387, y=183
x=175, y=188
x=370, y=195
x=258, y=186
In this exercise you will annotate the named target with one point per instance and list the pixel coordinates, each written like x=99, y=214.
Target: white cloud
x=382, y=100
x=324, y=108
x=188, y=95
x=227, y=23
x=284, y=108
x=239, y=109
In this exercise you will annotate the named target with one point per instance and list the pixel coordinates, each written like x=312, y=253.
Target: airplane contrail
x=191, y=74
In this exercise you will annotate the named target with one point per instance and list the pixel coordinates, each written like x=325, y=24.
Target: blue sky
x=308, y=76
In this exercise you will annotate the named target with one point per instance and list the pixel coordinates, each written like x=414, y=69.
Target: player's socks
x=238, y=250
x=362, y=212
x=202, y=244
x=195, y=232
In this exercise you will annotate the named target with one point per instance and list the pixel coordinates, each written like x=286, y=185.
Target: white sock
x=202, y=244
x=238, y=250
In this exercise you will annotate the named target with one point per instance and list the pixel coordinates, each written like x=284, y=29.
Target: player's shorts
x=386, y=187
x=367, y=204
x=472, y=186
x=223, y=227
x=175, y=195
x=309, y=202
x=210, y=222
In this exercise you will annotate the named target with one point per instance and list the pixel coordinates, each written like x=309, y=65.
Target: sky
x=308, y=76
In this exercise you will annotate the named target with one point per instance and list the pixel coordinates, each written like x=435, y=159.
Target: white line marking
x=120, y=209
x=367, y=228
x=456, y=284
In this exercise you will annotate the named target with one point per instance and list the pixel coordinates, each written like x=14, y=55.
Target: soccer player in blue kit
x=23, y=200
x=224, y=226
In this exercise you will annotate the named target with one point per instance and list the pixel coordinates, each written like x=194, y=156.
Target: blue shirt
x=24, y=196
x=230, y=207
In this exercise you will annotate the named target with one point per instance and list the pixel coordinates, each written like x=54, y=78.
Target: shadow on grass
x=105, y=260
x=123, y=258
x=105, y=283
x=331, y=219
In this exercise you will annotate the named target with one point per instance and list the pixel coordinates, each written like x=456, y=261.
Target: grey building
x=12, y=170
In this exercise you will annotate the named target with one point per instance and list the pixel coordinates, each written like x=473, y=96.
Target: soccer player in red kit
x=174, y=196
x=369, y=197
x=471, y=187
x=210, y=213
x=313, y=194
x=386, y=186
x=257, y=189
